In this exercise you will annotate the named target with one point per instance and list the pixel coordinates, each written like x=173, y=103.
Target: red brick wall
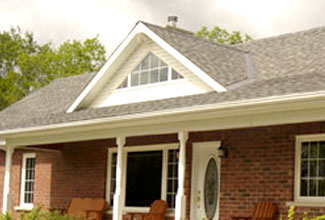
x=260, y=166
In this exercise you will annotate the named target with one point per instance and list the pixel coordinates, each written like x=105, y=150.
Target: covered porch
x=79, y=162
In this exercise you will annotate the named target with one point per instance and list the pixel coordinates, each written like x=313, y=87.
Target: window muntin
x=150, y=70
x=28, y=180
x=312, y=169
x=169, y=163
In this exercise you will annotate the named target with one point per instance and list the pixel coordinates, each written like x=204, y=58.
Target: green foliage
x=291, y=213
x=38, y=214
x=222, y=36
x=6, y=216
x=26, y=65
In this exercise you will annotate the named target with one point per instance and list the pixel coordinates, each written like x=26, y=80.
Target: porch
x=260, y=166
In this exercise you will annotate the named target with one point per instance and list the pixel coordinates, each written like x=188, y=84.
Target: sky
x=112, y=20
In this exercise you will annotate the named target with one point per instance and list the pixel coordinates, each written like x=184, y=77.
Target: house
x=212, y=129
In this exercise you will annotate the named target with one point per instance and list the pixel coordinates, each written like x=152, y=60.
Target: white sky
x=112, y=19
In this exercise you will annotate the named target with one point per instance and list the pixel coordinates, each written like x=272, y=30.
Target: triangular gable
x=136, y=36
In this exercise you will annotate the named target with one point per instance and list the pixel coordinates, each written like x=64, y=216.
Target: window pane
x=163, y=74
x=154, y=61
x=321, y=187
x=322, y=149
x=304, y=168
x=313, y=168
x=144, y=78
x=134, y=79
x=321, y=168
x=176, y=75
x=154, y=76
x=304, y=150
x=145, y=63
x=313, y=150
x=124, y=84
x=144, y=175
x=312, y=190
x=162, y=63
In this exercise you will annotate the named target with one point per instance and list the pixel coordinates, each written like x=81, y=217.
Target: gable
x=113, y=93
x=128, y=45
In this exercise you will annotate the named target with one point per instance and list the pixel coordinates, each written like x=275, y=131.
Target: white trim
x=305, y=200
x=23, y=205
x=2, y=142
x=153, y=147
x=138, y=29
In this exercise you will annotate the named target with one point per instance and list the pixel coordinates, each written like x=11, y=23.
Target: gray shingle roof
x=227, y=65
x=287, y=64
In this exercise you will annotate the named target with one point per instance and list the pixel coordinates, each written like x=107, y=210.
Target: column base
x=180, y=207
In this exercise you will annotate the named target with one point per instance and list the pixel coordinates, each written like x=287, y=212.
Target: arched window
x=150, y=70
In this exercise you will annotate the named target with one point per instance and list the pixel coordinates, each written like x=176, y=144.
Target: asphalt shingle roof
x=288, y=64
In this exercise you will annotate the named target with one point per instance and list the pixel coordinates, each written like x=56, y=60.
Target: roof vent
x=172, y=21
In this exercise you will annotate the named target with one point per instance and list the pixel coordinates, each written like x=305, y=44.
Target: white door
x=205, y=181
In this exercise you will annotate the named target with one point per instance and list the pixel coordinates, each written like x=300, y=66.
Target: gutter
x=235, y=105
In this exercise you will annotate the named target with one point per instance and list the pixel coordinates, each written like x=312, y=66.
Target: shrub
x=39, y=214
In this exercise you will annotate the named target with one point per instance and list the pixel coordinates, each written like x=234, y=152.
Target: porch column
x=180, y=208
x=7, y=177
x=117, y=209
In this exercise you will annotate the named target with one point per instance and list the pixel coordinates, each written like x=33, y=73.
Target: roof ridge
x=281, y=36
x=194, y=37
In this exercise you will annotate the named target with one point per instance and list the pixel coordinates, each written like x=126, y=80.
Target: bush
x=39, y=214
x=291, y=215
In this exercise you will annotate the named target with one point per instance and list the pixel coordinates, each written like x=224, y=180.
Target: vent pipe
x=172, y=21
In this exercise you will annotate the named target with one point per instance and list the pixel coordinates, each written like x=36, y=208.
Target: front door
x=205, y=181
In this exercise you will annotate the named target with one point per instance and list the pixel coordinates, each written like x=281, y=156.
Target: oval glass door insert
x=211, y=189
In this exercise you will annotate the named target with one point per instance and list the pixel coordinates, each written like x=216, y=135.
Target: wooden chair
x=263, y=211
x=157, y=212
x=87, y=208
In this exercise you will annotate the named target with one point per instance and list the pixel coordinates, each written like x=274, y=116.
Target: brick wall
x=260, y=166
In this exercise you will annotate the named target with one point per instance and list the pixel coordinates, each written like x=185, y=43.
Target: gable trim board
x=138, y=29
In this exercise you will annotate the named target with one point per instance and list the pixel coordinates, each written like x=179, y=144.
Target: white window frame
x=23, y=205
x=297, y=198
x=159, y=147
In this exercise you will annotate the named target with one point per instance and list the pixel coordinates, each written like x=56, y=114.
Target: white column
x=117, y=209
x=180, y=208
x=7, y=177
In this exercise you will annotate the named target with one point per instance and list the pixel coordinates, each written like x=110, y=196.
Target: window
x=27, y=180
x=144, y=175
x=113, y=178
x=151, y=173
x=310, y=177
x=172, y=177
x=150, y=70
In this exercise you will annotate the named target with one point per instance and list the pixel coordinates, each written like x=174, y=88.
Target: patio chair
x=87, y=208
x=263, y=211
x=157, y=212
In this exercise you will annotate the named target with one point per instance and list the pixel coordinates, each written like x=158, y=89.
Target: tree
x=222, y=36
x=26, y=65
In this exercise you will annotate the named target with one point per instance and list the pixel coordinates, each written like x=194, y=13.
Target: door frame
x=218, y=160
